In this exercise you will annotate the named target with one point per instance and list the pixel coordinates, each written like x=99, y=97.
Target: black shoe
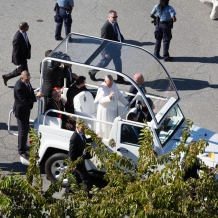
x=25, y=156
x=59, y=39
x=5, y=79
x=92, y=76
x=168, y=59
x=122, y=81
x=159, y=57
x=68, y=191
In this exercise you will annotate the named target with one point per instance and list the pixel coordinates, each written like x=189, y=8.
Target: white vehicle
x=85, y=53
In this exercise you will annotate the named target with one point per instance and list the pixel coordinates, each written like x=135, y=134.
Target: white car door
x=127, y=140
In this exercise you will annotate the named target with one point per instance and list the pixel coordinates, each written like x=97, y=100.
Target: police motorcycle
x=84, y=53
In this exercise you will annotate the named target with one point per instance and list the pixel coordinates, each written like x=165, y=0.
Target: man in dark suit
x=143, y=114
x=75, y=89
x=51, y=74
x=139, y=80
x=130, y=133
x=24, y=98
x=111, y=31
x=21, y=52
x=77, y=150
x=69, y=76
x=56, y=104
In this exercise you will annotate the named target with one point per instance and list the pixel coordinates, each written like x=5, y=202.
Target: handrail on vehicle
x=9, y=124
x=73, y=115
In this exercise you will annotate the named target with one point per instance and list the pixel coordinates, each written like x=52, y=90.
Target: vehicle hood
x=212, y=139
x=197, y=134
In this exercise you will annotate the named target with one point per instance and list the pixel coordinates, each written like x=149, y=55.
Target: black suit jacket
x=129, y=135
x=24, y=99
x=50, y=78
x=107, y=32
x=67, y=76
x=77, y=146
x=133, y=90
x=52, y=105
x=21, y=50
x=72, y=92
x=141, y=117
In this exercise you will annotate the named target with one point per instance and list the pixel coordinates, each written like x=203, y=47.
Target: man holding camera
x=63, y=9
x=164, y=24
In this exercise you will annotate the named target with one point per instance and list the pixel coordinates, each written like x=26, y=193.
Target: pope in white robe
x=107, y=98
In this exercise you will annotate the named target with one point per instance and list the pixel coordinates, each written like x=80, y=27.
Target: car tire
x=55, y=166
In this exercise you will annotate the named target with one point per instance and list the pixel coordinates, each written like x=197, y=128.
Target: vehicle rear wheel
x=55, y=166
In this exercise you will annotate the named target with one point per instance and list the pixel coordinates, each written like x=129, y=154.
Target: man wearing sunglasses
x=111, y=31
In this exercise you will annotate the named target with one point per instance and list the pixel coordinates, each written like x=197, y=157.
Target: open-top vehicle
x=85, y=53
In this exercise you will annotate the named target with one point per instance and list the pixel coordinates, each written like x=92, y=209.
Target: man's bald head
x=139, y=79
x=25, y=73
x=25, y=76
x=109, y=80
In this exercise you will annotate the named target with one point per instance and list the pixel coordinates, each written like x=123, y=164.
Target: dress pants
x=46, y=100
x=81, y=175
x=61, y=17
x=23, y=130
x=162, y=32
x=69, y=109
x=105, y=61
x=16, y=72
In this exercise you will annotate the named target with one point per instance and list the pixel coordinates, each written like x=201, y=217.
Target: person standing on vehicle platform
x=24, y=99
x=164, y=24
x=63, y=9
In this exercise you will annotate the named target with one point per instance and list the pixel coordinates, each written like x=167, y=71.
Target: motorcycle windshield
x=158, y=87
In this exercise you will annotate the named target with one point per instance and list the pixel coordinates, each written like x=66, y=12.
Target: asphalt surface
x=194, y=48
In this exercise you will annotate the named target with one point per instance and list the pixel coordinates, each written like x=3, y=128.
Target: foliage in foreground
x=136, y=190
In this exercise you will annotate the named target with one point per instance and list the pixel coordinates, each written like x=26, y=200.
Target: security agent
x=77, y=149
x=63, y=9
x=51, y=74
x=164, y=24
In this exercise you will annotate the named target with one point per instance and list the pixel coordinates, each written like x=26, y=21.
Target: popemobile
x=84, y=53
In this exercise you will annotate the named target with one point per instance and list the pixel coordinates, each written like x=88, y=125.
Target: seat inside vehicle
x=132, y=110
x=50, y=121
x=84, y=105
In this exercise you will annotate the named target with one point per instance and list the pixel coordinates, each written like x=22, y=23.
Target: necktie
x=84, y=139
x=29, y=87
x=26, y=38
x=116, y=31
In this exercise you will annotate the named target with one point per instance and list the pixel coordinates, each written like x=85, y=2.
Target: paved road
x=194, y=48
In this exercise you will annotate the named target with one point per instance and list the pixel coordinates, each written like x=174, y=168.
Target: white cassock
x=107, y=108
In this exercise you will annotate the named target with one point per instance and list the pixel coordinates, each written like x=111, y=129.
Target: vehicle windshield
x=87, y=51
x=170, y=125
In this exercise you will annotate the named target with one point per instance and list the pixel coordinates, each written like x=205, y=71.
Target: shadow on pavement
x=180, y=83
x=16, y=167
x=208, y=60
x=137, y=43
x=4, y=126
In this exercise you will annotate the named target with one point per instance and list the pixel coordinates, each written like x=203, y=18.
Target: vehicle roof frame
x=154, y=122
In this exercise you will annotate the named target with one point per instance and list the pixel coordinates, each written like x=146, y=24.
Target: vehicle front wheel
x=55, y=166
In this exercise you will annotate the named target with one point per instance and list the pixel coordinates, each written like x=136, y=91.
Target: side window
x=130, y=134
